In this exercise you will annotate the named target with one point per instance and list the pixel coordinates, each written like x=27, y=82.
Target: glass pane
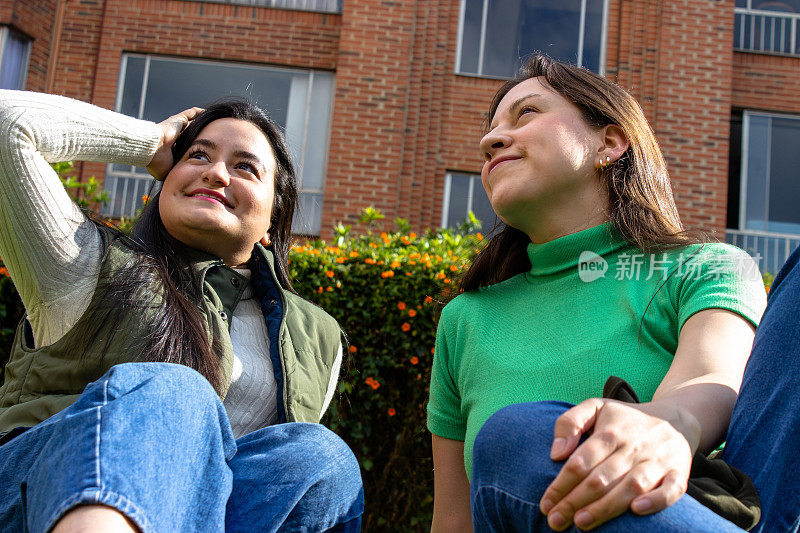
x=173, y=86
x=119, y=195
x=132, y=86
x=552, y=26
x=757, y=168
x=459, y=199
x=783, y=6
x=741, y=3
x=593, y=35
x=296, y=119
x=308, y=217
x=502, y=50
x=12, y=64
x=482, y=208
x=471, y=36
x=319, y=114
x=784, y=183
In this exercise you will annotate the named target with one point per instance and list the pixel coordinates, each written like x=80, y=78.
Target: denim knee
x=512, y=449
x=328, y=457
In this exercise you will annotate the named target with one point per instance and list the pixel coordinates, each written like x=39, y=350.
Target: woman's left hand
x=632, y=460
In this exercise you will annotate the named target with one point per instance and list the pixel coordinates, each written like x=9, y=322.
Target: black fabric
x=715, y=484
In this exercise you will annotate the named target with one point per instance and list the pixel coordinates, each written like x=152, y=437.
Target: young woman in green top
x=593, y=275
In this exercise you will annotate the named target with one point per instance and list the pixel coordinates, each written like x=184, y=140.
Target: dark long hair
x=642, y=208
x=177, y=332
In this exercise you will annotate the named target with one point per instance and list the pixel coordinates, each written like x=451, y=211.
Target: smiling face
x=541, y=163
x=218, y=197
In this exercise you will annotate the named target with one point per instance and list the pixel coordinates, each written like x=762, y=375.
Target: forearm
x=700, y=409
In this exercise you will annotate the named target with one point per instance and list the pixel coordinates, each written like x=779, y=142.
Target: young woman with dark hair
x=593, y=275
x=170, y=380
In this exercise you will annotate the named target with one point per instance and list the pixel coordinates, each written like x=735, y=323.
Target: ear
x=614, y=144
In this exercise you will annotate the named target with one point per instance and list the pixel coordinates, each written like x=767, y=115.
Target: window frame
x=320, y=192
x=745, y=159
x=5, y=31
x=460, y=37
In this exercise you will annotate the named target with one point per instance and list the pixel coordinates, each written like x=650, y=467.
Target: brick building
x=383, y=100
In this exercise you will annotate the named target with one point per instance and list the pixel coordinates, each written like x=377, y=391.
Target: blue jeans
x=511, y=456
x=153, y=441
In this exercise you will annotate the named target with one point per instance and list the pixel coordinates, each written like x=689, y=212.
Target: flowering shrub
x=386, y=289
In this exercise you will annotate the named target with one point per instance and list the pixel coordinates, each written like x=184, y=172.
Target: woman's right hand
x=162, y=162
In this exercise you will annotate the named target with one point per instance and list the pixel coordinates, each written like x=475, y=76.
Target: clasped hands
x=636, y=456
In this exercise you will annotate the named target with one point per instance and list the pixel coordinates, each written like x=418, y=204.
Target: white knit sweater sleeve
x=52, y=251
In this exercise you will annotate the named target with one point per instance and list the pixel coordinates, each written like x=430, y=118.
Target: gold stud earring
x=265, y=240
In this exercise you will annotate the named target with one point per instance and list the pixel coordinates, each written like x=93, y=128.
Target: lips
x=500, y=159
x=210, y=194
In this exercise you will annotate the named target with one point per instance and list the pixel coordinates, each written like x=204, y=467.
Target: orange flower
x=412, y=263
x=395, y=264
x=453, y=268
x=414, y=360
x=372, y=383
x=401, y=305
x=406, y=326
x=329, y=288
x=384, y=235
x=391, y=411
x=340, y=259
x=329, y=273
x=432, y=349
x=369, y=261
x=145, y=199
x=353, y=254
x=428, y=299
x=412, y=235
x=380, y=262
x=3, y=271
x=372, y=244
x=428, y=265
x=446, y=280
x=387, y=274
x=765, y=288
x=320, y=289
x=412, y=313
x=440, y=275
x=479, y=237
x=353, y=349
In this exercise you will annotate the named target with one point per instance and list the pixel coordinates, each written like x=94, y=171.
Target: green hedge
x=386, y=290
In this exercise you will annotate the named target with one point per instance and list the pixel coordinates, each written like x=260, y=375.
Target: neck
x=554, y=223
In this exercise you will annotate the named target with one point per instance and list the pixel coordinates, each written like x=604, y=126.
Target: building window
x=495, y=36
x=767, y=26
x=14, y=53
x=770, y=173
x=299, y=101
x=322, y=6
x=464, y=193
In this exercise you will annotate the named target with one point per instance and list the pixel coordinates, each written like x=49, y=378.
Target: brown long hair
x=642, y=208
x=177, y=331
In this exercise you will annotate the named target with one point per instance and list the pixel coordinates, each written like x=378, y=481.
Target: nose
x=493, y=141
x=217, y=173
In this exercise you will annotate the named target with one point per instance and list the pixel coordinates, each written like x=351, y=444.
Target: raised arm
x=51, y=250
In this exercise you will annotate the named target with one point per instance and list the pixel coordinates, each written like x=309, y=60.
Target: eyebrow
x=241, y=154
x=518, y=102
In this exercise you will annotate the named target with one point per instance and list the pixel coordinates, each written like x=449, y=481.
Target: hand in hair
x=628, y=455
x=162, y=161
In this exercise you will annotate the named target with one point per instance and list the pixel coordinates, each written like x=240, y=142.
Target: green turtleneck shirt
x=591, y=306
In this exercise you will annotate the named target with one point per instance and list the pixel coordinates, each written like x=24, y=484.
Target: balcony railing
x=770, y=32
x=770, y=250
x=322, y=6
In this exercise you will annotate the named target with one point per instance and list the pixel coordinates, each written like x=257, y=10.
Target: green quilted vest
x=304, y=341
